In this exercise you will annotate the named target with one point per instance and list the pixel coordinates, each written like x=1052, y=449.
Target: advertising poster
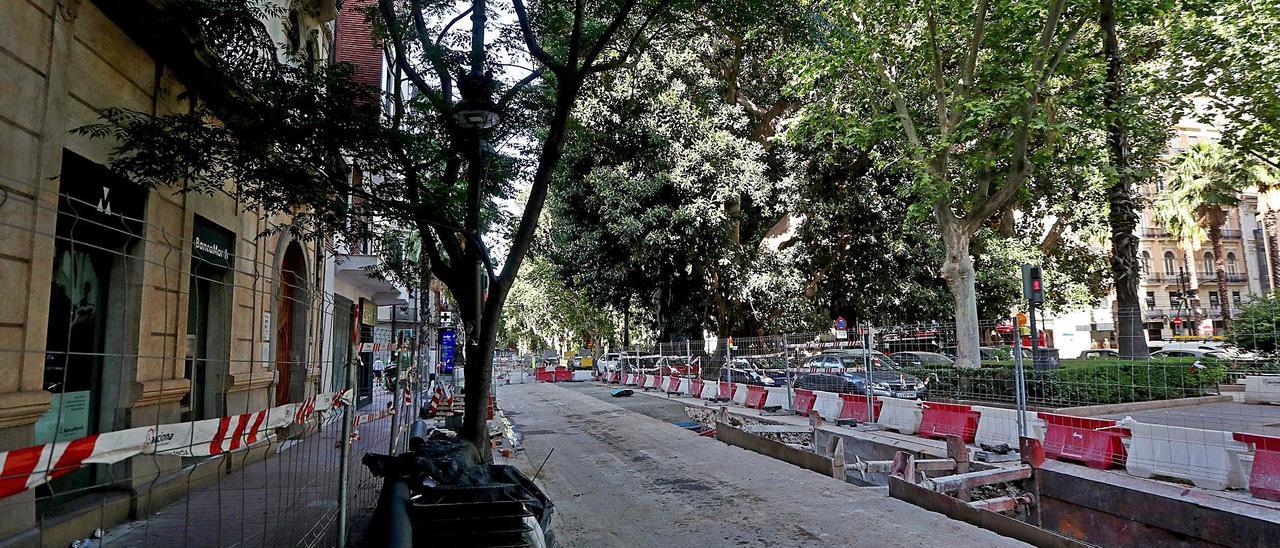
x=448, y=337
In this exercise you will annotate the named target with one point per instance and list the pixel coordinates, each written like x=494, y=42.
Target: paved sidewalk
x=620, y=478
x=288, y=499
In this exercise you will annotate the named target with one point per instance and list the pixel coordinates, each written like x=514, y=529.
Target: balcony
x=1212, y=277
x=1231, y=234
x=1154, y=232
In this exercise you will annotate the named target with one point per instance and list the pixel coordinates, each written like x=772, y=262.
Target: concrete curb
x=1118, y=408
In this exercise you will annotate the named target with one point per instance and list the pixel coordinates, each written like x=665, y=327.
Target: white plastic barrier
x=581, y=375
x=998, y=425
x=653, y=381
x=827, y=404
x=1210, y=459
x=777, y=396
x=901, y=415
x=630, y=380
x=739, y=393
x=710, y=390
x=1262, y=389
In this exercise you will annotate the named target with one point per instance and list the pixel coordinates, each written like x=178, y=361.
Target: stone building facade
x=127, y=307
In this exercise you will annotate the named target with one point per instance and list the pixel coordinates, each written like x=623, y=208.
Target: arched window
x=1208, y=262
x=1146, y=263
x=1231, y=263
x=1169, y=264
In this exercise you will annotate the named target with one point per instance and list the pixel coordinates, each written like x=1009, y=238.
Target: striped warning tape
x=25, y=468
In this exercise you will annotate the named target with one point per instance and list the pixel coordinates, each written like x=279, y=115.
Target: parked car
x=741, y=370
x=855, y=357
x=989, y=353
x=921, y=359
x=1190, y=353
x=885, y=382
x=1100, y=354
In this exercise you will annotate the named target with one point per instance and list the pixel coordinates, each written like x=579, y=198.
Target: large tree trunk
x=1123, y=216
x=1220, y=270
x=1193, y=287
x=957, y=270
x=1269, y=228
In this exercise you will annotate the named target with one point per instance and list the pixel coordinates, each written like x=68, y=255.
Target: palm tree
x=1206, y=181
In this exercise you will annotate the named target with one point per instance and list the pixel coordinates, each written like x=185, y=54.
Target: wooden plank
x=957, y=482
x=776, y=429
x=777, y=450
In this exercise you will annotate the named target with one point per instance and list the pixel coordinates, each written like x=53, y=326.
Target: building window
x=1231, y=263
x=1235, y=298
x=1151, y=300
x=1208, y=262
x=1168, y=263
x=1146, y=263
x=1213, y=299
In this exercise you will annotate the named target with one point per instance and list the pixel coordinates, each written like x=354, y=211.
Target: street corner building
x=127, y=307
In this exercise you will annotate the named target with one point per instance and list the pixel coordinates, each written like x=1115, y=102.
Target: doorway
x=291, y=319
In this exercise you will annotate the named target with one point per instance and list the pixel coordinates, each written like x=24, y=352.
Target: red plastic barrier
x=1264, y=480
x=543, y=375
x=727, y=391
x=563, y=375
x=673, y=385
x=756, y=396
x=615, y=377
x=854, y=406
x=1093, y=442
x=948, y=419
x=802, y=402
x=642, y=380
x=695, y=388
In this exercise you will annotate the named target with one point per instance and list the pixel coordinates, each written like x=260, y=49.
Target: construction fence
x=1189, y=412
x=191, y=384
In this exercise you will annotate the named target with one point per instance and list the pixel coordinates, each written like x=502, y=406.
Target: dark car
x=886, y=379
x=988, y=353
x=1100, y=354
x=884, y=383
x=921, y=359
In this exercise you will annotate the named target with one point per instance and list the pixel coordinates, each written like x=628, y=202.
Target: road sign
x=841, y=324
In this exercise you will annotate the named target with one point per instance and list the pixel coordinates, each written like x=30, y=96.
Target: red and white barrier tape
x=25, y=468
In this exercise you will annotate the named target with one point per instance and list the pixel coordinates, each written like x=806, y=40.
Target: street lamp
x=476, y=111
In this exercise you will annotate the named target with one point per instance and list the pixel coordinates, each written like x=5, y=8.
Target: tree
x=1226, y=53
x=284, y=145
x=976, y=102
x=1206, y=180
x=1257, y=325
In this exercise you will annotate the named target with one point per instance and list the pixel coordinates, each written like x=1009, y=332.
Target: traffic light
x=1032, y=284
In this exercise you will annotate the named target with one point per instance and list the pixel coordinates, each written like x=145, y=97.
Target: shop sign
x=212, y=244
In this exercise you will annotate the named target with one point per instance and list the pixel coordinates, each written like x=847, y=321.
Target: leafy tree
x=977, y=97
x=282, y=144
x=542, y=313
x=1227, y=55
x=1256, y=326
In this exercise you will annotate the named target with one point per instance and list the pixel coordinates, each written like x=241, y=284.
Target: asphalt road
x=619, y=477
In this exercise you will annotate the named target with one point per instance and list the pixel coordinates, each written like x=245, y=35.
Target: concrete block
x=1210, y=459
x=901, y=415
x=999, y=425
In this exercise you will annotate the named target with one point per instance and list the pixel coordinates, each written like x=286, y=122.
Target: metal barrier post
x=344, y=451
x=866, y=356
x=1019, y=383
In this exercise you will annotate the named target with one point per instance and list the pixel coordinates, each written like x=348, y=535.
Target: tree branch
x=940, y=88
x=452, y=22
x=590, y=66
x=531, y=41
x=515, y=88
x=387, y=9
